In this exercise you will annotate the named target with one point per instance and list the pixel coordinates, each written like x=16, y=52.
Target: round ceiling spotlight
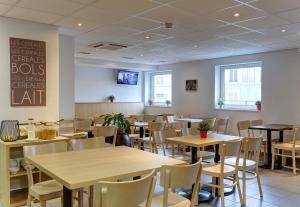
x=168, y=25
x=79, y=24
x=236, y=15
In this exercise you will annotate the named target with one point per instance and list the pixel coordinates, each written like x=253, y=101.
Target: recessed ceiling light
x=195, y=45
x=147, y=37
x=283, y=30
x=79, y=24
x=142, y=55
x=236, y=14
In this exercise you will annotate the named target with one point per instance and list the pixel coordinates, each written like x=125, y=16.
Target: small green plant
x=111, y=98
x=168, y=102
x=204, y=126
x=118, y=120
x=221, y=102
x=258, y=103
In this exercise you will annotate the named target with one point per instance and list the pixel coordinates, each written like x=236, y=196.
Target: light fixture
x=283, y=30
x=236, y=14
x=79, y=24
x=195, y=46
x=142, y=55
x=147, y=37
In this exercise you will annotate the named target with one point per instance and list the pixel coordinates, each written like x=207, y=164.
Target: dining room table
x=272, y=128
x=79, y=169
x=189, y=121
x=195, y=142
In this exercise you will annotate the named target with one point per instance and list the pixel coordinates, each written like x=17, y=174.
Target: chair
x=46, y=190
x=174, y=177
x=82, y=124
x=282, y=149
x=153, y=126
x=150, y=118
x=221, y=126
x=258, y=133
x=243, y=128
x=9, y=128
x=109, y=132
x=98, y=121
x=126, y=194
x=248, y=163
x=211, y=122
x=84, y=144
x=223, y=171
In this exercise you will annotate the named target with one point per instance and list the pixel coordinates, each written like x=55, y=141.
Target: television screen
x=127, y=77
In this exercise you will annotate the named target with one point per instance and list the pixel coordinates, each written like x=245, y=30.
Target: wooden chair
x=223, y=171
x=287, y=149
x=150, y=118
x=221, y=126
x=211, y=121
x=259, y=133
x=243, y=128
x=126, y=194
x=84, y=144
x=82, y=124
x=248, y=164
x=174, y=177
x=99, y=120
x=46, y=190
x=153, y=126
x=107, y=132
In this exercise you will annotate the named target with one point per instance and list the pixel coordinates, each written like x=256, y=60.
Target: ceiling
x=202, y=29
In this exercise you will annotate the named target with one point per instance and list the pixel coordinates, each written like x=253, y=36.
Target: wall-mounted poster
x=191, y=85
x=27, y=72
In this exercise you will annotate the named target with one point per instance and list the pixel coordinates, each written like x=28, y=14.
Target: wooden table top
x=196, y=141
x=273, y=127
x=77, y=169
x=190, y=120
x=141, y=124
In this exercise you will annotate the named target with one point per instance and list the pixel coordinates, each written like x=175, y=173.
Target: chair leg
x=273, y=158
x=91, y=196
x=258, y=182
x=239, y=188
x=294, y=162
x=213, y=192
x=29, y=200
x=221, y=191
x=80, y=198
x=265, y=153
x=244, y=189
x=43, y=203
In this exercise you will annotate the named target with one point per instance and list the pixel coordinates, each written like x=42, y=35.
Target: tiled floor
x=280, y=188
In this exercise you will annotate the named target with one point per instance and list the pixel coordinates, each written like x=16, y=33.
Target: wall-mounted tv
x=127, y=77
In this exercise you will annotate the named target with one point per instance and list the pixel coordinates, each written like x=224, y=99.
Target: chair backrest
x=106, y=131
x=99, y=120
x=150, y=118
x=41, y=149
x=211, y=122
x=83, y=144
x=230, y=149
x=82, y=123
x=192, y=131
x=158, y=137
x=256, y=133
x=221, y=125
x=243, y=127
x=126, y=194
x=155, y=126
x=169, y=133
x=180, y=176
x=251, y=147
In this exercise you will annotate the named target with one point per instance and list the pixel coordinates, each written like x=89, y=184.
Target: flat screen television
x=127, y=77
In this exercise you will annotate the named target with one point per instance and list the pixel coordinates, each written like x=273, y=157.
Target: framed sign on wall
x=191, y=85
x=27, y=72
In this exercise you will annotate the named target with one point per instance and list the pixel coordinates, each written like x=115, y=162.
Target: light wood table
x=78, y=169
x=141, y=125
x=195, y=142
x=189, y=121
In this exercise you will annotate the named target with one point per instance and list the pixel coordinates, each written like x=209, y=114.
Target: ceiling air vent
x=108, y=46
x=85, y=53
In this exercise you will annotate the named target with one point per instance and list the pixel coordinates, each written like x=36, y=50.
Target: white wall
x=66, y=77
x=280, y=88
x=28, y=30
x=95, y=84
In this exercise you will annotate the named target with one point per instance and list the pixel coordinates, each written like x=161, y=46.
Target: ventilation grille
x=108, y=46
x=85, y=53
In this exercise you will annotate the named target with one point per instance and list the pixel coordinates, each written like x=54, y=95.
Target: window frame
x=152, y=75
x=220, y=87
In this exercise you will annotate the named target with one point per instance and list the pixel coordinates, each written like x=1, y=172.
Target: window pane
x=162, y=87
x=242, y=84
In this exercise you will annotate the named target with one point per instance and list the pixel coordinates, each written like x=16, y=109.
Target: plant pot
x=258, y=107
x=220, y=106
x=203, y=134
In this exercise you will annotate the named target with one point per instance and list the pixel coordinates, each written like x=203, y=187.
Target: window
x=161, y=87
x=238, y=85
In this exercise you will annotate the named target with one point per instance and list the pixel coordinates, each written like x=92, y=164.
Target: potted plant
x=123, y=128
x=150, y=102
x=258, y=105
x=168, y=102
x=220, y=103
x=204, y=127
x=111, y=98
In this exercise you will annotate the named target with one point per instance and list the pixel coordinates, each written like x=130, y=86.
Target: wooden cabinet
x=14, y=187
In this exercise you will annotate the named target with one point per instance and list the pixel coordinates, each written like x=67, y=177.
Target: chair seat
x=250, y=164
x=215, y=170
x=286, y=146
x=46, y=190
x=174, y=200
